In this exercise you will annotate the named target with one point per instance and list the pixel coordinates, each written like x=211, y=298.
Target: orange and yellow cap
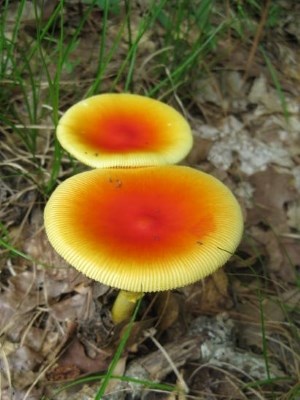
x=144, y=229
x=124, y=130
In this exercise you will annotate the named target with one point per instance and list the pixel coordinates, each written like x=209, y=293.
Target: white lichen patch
x=233, y=142
x=245, y=190
x=218, y=348
x=253, y=154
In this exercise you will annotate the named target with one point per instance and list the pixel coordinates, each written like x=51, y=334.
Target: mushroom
x=143, y=229
x=124, y=130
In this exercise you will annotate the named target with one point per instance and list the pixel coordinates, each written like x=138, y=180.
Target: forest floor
x=232, y=68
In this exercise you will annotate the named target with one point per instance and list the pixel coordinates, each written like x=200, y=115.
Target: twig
x=183, y=385
x=257, y=38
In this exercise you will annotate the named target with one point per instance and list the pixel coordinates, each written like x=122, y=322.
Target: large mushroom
x=124, y=130
x=144, y=229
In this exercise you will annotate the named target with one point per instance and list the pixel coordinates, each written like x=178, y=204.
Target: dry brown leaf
x=167, y=307
x=293, y=215
x=77, y=307
x=235, y=56
x=40, y=340
x=14, y=317
x=210, y=295
x=291, y=298
x=63, y=373
x=283, y=253
x=272, y=191
x=38, y=247
x=249, y=326
x=199, y=151
x=85, y=392
x=7, y=393
x=24, y=359
x=28, y=290
x=25, y=282
x=215, y=384
x=136, y=334
x=261, y=93
x=75, y=357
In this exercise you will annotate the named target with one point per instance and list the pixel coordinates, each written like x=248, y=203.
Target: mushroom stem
x=124, y=305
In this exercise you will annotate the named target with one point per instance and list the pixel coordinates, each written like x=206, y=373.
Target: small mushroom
x=124, y=130
x=144, y=229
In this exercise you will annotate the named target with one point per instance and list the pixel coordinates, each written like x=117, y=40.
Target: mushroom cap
x=124, y=130
x=144, y=229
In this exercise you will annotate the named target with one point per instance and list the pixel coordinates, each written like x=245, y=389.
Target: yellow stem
x=124, y=305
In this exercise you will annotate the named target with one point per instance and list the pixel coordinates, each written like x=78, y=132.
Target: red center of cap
x=135, y=221
x=146, y=225
x=121, y=132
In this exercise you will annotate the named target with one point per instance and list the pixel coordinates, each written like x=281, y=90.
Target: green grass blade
x=95, y=378
x=118, y=353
